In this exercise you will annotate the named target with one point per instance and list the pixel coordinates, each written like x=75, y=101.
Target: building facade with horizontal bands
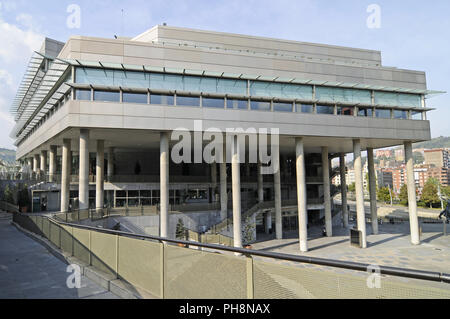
x=124, y=97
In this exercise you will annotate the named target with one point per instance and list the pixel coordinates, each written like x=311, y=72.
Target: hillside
x=7, y=156
x=439, y=142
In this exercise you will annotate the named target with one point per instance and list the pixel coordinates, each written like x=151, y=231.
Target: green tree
x=181, y=230
x=8, y=195
x=352, y=187
x=403, y=196
x=23, y=197
x=430, y=193
x=383, y=194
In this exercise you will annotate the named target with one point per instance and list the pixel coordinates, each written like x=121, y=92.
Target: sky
x=410, y=34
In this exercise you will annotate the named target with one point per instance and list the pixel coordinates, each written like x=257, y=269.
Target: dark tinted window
x=282, y=107
x=129, y=97
x=237, y=104
x=83, y=95
x=260, y=105
x=304, y=108
x=325, y=109
x=188, y=100
x=213, y=102
x=106, y=96
x=161, y=99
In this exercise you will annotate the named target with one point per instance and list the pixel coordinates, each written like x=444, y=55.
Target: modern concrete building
x=95, y=116
x=438, y=157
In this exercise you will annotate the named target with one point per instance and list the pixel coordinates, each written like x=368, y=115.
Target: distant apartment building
x=399, y=155
x=384, y=178
x=437, y=157
x=384, y=153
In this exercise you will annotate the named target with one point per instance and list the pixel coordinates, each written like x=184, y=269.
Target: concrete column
x=164, y=180
x=52, y=163
x=360, y=212
x=65, y=175
x=277, y=189
x=214, y=180
x=30, y=167
x=36, y=167
x=372, y=191
x=43, y=171
x=236, y=182
x=326, y=192
x=343, y=189
x=268, y=222
x=100, y=175
x=84, y=170
x=110, y=170
x=223, y=186
x=260, y=183
x=301, y=195
x=412, y=204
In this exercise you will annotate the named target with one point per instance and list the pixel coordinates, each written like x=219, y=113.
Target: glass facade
x=260, y=105
x=326, y=96
x=128, y=97
x=282, y=107
x=107, y=96
x=213, y=102
x=383, y=113
x=325, y=109
x=83, y=95
x=161, y=99
x=237, y=104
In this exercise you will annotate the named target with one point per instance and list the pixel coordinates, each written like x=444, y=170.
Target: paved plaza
x=391, y=247
x=29, y=271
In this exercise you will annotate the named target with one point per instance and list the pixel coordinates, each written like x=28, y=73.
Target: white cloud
x=18, y=43
x=6, y=79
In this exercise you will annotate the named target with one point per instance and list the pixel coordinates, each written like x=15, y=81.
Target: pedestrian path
x=29, y=271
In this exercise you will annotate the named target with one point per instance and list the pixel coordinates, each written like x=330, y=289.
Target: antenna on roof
x=122, y=27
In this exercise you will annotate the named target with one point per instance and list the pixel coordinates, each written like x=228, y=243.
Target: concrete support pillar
x=372, y=191
x=164, y=180
x=223, y=186
x=36, y=167
x=301, y=195
x=100, y=173
x=326, y=192
x=84, y=170
x=43, y=171
x=260, y=183
x=110, y=170
x=268, y=222
x=412, y=204
x=52, y=163
x=236, y=188
x=360, y=212
x=343, y=189
x=65, y=175
x=214, y=181
x=277, y=189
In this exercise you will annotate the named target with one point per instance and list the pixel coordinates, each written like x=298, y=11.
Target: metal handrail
x=386, y=270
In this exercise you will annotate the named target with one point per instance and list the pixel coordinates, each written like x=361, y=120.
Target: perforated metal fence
x=160, y=267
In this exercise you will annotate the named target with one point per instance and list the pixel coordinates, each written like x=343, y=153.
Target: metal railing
x=158, y=266
x=9, y=208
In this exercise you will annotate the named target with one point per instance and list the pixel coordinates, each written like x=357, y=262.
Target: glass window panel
x=131, y=79
x=192, y=84
x=208, y=85
x=416, y=115
x=282, y=107
x=325, y=109
x=238, y=87
x=324, y=94
x=383, y=113
x=129, y=97
x=146, y=193
x=365, y=112
x=188, y=100
x=296, y=91
x=260, y=105
x=166, y=81
x=237, y=104
x=213, y=102
x=400, y=114
x=94, y=76
x=106, y=96
x=409, y=100
x=161, y=99
x=345, y=110
x=82, y=95
x=304, y=108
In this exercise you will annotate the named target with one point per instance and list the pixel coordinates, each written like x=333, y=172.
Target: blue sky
x=413, y=34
